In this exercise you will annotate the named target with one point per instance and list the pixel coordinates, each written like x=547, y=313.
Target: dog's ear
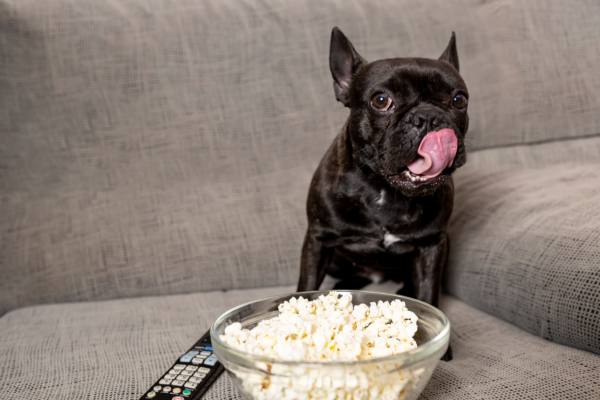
x=344, y=61
x=450, y=55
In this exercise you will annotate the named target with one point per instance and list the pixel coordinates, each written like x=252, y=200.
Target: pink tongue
x=437, y=151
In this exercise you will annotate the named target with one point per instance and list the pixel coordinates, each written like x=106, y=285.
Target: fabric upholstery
x=106, y=350
x=525, y=248
x=166, y=146
x=496, y=360
x=116, y=349
x=582, y=151
x=180, y=238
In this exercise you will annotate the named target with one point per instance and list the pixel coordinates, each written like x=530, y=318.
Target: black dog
x=380, y=200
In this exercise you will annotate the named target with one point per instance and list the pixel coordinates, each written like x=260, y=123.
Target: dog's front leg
x=428, y=268
x=314, y=262
x=427, y=275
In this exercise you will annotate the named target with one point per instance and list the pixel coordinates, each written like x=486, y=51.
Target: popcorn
x=329, y=328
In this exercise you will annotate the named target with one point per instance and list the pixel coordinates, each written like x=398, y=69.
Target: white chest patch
x=389, y=239
x=381, y=198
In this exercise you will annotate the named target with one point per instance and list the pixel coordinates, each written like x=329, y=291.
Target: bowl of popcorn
x=331, y=345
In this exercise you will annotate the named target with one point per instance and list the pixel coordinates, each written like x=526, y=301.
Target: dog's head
x=408, y=116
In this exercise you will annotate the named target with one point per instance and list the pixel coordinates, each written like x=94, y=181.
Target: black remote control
x=191, y=375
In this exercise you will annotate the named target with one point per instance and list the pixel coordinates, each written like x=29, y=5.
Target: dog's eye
x=459, y=101
x=382, y=102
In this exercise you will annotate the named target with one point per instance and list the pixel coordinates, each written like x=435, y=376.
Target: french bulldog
x=380, y=200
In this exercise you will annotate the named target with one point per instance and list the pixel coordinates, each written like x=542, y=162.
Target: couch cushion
x=523, y=157
x=496, y=360
x=131, y=129
x=525, y=246
x=116, y=349
x=106, y=350
x=137, y=239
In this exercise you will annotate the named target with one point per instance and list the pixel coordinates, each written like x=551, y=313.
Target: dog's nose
x=419, y=121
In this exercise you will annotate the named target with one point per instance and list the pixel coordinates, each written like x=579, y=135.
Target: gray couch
x=155, y=157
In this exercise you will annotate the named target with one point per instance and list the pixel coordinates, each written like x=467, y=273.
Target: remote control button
x=165, y=382
x=187, y=357
x=157, y=388
x=190, y=385
x=177, y=398
x=194, y=379
x=178, y=382
x=210, y=361
x=186, y=392
x=176, y=391
x=178, y=367
x=151, y=395
x=204, y=369
x=170, y=376
x=166, y=389
x=205, y=353
x=200, y=374
x=185, y=372
x=197, y=361
x=191, y=368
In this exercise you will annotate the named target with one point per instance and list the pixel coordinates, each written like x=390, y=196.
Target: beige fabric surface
x=106, y=350
x=182, y=237
x=525, y=246
x=162, y=146
x=581, y=151
x=116, y=349
x=496, y=360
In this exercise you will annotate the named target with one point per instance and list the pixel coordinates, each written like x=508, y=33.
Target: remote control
x=191, y=375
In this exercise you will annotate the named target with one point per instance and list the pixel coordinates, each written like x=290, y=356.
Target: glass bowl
x=399, y=377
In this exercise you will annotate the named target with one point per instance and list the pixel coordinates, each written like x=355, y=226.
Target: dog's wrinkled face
x=408, y=116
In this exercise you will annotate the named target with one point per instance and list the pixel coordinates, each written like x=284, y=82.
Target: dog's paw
x=448, y=355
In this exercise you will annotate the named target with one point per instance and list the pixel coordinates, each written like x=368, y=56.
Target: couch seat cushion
x=497, y=360
x=106, y=350
x=525, y=246
x=115, y=349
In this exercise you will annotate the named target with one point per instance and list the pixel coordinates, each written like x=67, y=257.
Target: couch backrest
x=161, y=146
